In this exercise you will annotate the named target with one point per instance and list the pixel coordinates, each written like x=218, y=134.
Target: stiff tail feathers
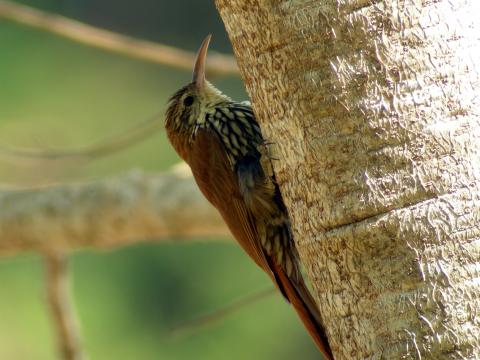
x=304, y=304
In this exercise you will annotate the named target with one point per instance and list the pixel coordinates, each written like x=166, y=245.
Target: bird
x=222, y=142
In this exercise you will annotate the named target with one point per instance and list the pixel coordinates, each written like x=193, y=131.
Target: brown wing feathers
x=212, y=171
x=218, y=183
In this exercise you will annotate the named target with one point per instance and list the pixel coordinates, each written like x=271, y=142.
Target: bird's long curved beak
x=200, y=62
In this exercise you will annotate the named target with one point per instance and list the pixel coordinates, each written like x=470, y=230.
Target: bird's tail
x=304, y=304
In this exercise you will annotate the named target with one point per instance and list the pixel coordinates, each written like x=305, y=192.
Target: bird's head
x=188, y=107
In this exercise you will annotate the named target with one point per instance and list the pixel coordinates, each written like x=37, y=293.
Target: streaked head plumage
x=189, y=104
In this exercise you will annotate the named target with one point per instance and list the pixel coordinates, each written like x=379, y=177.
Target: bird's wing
x=215, y=178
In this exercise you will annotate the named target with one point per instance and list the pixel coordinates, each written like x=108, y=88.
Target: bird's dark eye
x=188, y=101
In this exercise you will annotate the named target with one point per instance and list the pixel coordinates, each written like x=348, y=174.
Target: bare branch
x=127, y=138
x=218, y=64
x=61, y=307
x=123, y=210
x=212, y=317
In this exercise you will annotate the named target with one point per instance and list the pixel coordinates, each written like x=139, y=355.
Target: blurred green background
x=56, y=93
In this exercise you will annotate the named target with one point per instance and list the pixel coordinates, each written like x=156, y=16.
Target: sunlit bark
x=105, y=213
x=373, y=107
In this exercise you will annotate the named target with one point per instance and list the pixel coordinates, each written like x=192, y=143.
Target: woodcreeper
x=221, y=141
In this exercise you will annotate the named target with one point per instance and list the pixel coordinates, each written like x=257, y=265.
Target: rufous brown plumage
x=222, y=142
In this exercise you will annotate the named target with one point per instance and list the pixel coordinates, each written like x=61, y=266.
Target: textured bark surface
x=374, y=110
x=106, y=213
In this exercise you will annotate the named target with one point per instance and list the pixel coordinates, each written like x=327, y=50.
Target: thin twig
x=61, y=307
x=127, y=138
x=218, y=64
x=220, y=313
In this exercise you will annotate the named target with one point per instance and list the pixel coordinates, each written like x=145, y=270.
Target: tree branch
x=112, y=144
x=61, y=307
x=218, y=64
x=123, y=210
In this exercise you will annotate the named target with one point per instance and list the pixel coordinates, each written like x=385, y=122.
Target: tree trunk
x=373, y=110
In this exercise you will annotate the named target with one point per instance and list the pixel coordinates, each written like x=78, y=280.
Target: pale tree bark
x=105, y=213
x=373, y=107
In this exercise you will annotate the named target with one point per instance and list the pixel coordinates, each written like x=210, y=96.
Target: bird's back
x=249, y=201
